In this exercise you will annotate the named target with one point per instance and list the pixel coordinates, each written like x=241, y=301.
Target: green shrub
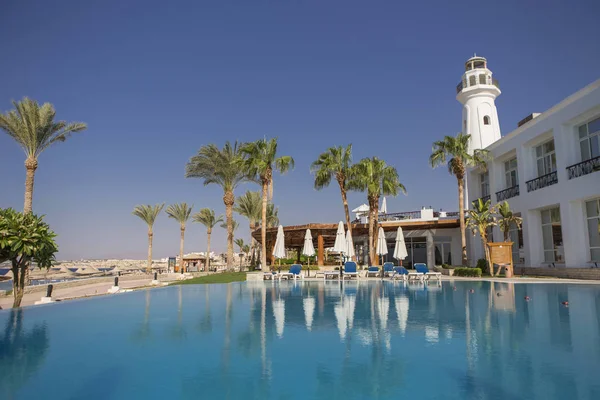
x=483, y=265
x=465, y=271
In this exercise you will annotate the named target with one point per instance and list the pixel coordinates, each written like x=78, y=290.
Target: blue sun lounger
x=422, y=268
x=294, y=272
x=350, y=270
x=388, y=268
x=372, y=271
x=400, y=273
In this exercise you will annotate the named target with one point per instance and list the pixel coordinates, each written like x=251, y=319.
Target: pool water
x=309, y=340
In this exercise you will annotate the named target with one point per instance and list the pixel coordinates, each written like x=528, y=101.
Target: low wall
x=568, y=273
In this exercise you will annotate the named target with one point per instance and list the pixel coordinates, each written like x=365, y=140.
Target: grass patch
x=225, y=277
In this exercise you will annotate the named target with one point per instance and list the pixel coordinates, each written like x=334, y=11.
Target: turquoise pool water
x=373, y=340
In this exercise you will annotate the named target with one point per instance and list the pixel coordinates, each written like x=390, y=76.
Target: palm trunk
x=229, y=199
x=181, y=249
x=263, y=227
x=372, y=254
x=208, y=251
x=149, y=264
x=31, y=165
x=18, y=269
x=461, y=216
x=486, y=252
x=346, y=210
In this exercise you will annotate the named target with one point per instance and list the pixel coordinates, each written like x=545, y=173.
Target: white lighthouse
x=477, y=92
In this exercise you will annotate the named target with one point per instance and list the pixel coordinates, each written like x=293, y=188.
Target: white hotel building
x=548, y=169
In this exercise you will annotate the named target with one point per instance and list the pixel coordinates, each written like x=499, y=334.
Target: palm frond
x=179, y=212
x=33, y=126
x=148, y=213
x=206, y=217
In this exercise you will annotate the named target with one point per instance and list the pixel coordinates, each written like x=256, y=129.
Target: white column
x=532, y=238
x=430, y=250
x=574, y=233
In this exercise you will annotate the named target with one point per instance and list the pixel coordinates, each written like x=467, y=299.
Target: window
x=592, y=209
x=545, y=158
x=486, y=120
x=589, y=140
x=472, y=80
x=552, y=236
x=516, y=236
x=443, y=251
x=483, y=79
x=465, y=126
x=511, y=173
x=484, y=180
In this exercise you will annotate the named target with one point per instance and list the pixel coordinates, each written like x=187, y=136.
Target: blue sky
x=156, y=80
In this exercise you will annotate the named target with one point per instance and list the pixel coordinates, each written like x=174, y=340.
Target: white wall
x=560, y=123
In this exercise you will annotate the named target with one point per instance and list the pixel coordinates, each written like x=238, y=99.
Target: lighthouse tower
x=477, y=92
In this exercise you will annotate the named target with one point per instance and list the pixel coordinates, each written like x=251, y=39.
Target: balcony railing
x=584, y=168
x=482, y=198
x=542, y=181
x=507, y=193
x=462, y=86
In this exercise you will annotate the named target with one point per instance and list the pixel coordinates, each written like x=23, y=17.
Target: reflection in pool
x=309, y=340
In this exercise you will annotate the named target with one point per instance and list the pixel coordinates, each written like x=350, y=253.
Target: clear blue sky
x=156, y=80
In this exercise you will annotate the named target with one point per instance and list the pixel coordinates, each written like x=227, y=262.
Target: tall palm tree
x=507, y=219
x=207, y=217
x=335, y=162
x=479, y=220
x=249, y=205
x=234, y=225
x=261, y=161
x=378, y=179
x=455, y=152
x=223, y=167
x=34, y=129
x=148, y=214
x=181, y=213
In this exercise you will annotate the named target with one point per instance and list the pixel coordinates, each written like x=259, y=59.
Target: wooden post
x=298, y=250
x=320, y=250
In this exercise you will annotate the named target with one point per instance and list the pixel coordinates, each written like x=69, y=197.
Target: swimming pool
x=309, y=340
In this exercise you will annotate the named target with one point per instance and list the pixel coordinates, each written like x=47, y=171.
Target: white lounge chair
x=422, y=268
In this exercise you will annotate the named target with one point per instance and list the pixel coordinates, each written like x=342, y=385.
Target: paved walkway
x=93, y=289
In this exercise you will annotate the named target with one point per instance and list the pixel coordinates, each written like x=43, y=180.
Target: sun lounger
x=269, y=276
x=372, y=271
x=422, y=268
x=388, y=268
x=415, y=275
x=400, y=273
x=294, y=272
x=350, y=270
x=329, y=274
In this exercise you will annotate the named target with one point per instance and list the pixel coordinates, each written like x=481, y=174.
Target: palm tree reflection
x=21, y=353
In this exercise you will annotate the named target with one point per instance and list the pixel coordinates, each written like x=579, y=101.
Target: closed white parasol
x=349, y=245
x=400, y=252
x=340, y=241
x=309, y=248
x=279, y=249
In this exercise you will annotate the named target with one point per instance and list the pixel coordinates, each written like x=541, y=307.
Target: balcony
x=542, y=181
x=507, y=193
x=483, y=199
x=462, y=86
x=584, y=168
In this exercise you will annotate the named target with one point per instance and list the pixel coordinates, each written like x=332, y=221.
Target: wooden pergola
x=324, y=234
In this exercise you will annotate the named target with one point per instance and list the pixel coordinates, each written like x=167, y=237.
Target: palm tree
x=261, y=160
x=249, y=205
x=148, y=214
x=507, y=219
x=335, y=162
x=378, y=179
x=479, y=220
x=181, y=213
x=223, y=167
x=207, y=217
x=455, y=152
x=34, y=129
x=234, y=225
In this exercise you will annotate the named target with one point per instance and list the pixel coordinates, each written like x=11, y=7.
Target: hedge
x=472, y=272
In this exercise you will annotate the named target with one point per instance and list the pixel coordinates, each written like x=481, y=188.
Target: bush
x=483, y=265
x=465, y=271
